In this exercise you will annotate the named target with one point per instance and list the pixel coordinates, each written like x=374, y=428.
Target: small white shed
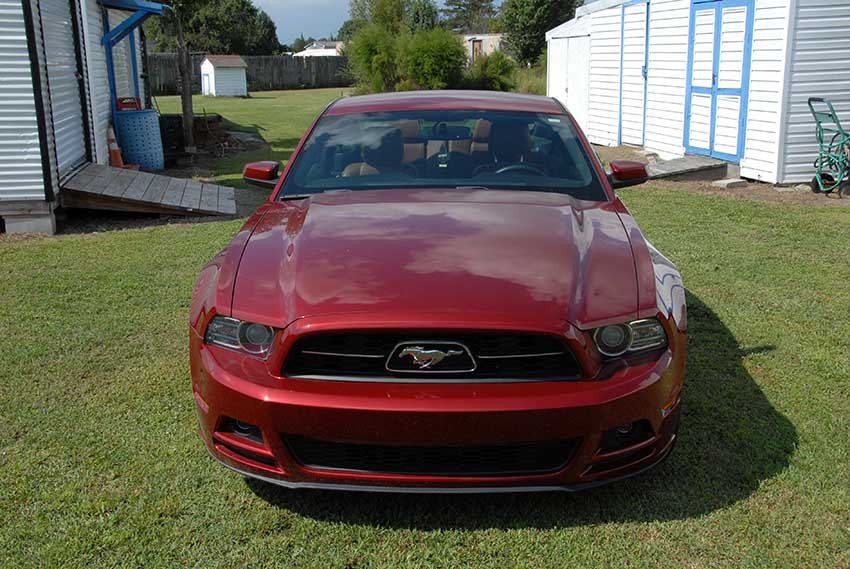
x=224, y=76
x=723, y=78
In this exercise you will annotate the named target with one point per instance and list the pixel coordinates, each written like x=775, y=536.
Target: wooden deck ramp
x=104, y=187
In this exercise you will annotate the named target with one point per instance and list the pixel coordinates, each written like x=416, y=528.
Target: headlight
x=617, y=339
x=233, y=334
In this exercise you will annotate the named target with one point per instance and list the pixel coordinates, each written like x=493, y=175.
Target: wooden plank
x=209, y=198
x=120, y=183
x=139, y=185
x=79, y=182
x=75, y=199
x=174, y=192
x=156, y=189
x=103, y=180
x=226, y=201
x=191, y=195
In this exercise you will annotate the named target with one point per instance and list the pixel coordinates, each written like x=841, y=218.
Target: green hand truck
x=832, y=166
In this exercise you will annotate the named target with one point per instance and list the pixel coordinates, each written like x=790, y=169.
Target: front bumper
x=229, y=385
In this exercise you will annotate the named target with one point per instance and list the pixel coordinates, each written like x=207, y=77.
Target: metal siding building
x=54, y=101
x=21, y=168
x=725, y=78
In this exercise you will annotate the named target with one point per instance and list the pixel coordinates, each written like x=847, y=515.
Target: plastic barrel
x=140, y=139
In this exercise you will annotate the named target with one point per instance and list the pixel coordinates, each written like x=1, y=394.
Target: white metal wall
x=63, y=84
x=633, y=59
x=818, y=66
x=21, y=176
x=230, y=82
x=99, y=104
x=668, y=65
x=767, y=82
x=557, y=55
x=604, y=84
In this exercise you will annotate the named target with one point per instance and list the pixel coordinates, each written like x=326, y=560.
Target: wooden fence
x=265, y=72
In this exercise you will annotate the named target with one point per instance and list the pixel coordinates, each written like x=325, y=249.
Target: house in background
x=723, y=78
x=224, y=76
x=56, y=98
x=321, y=48
x=481, y=44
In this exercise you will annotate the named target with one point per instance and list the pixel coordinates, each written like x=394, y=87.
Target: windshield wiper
x=472, y=188
x=287, y=197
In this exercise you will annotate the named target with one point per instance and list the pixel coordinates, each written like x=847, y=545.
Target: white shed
x=224, y=76
x=723, y=78
x=55, y=97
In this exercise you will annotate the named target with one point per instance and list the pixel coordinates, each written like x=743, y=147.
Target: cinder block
x=730, y=183
x=30, y=223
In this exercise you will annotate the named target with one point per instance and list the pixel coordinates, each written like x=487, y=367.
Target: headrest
x=383, y=146
x=481, y=130
x=409, y=128
x=509, y=141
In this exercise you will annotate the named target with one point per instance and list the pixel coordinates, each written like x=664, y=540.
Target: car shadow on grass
x=731, y=440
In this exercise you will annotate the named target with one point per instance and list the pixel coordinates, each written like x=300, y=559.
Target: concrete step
x=730, y=183
x=689, y=167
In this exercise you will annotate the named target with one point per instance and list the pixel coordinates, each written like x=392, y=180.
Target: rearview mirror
x=627, y=173
x=263, y=174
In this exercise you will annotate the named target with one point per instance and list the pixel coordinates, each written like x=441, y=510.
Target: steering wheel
x=524, y=167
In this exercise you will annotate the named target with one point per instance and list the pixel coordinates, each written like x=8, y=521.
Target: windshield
x=444, y=149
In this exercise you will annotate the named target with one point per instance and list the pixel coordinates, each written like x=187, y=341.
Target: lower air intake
x=489, y=460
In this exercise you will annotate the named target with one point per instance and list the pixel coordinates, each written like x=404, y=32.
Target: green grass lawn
x=100, y=463
x=280, y=117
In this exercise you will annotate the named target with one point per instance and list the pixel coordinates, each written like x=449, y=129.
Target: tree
x=468, y=15
x=387, y=14
x=526, y=22
x=349, y=28
x=173, y=23
x=432, y=60
x=420, y=15
x=360, y=10
x=219, y=26
x=301, y=43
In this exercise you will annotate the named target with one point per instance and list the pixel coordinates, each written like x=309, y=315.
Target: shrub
x=432, y=59
x=532, y=79
x=492, y=72
x=372, y=59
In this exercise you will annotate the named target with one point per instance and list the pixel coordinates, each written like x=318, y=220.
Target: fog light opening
x=626, y=436
x=243, y=429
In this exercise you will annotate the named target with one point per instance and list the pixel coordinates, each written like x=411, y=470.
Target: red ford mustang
x=443, y=293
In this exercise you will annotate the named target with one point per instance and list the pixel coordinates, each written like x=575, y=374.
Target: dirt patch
x=755, y=191
x=609, y=153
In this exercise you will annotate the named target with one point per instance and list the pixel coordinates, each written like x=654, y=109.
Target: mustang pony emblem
x=427, y=358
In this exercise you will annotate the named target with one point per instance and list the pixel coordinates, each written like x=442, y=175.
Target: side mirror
x=263, y=174
x=626, y=173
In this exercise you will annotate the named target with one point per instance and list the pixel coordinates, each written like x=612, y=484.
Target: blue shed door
x=719, y=49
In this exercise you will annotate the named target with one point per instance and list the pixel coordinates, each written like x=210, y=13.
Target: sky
x=313, y=18
x=316, y=18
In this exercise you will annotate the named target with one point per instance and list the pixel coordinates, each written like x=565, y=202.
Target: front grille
x=496, y=355
x=489, y=460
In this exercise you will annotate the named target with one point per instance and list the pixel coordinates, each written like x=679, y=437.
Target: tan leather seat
x=359, y=169
x=481, y=137
x=463, y=146
x=382, y=152
x=414, y=146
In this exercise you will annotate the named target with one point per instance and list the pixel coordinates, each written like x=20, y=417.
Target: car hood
x=532, y=256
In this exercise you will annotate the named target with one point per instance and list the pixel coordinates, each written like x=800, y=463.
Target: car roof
x=445, y=100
